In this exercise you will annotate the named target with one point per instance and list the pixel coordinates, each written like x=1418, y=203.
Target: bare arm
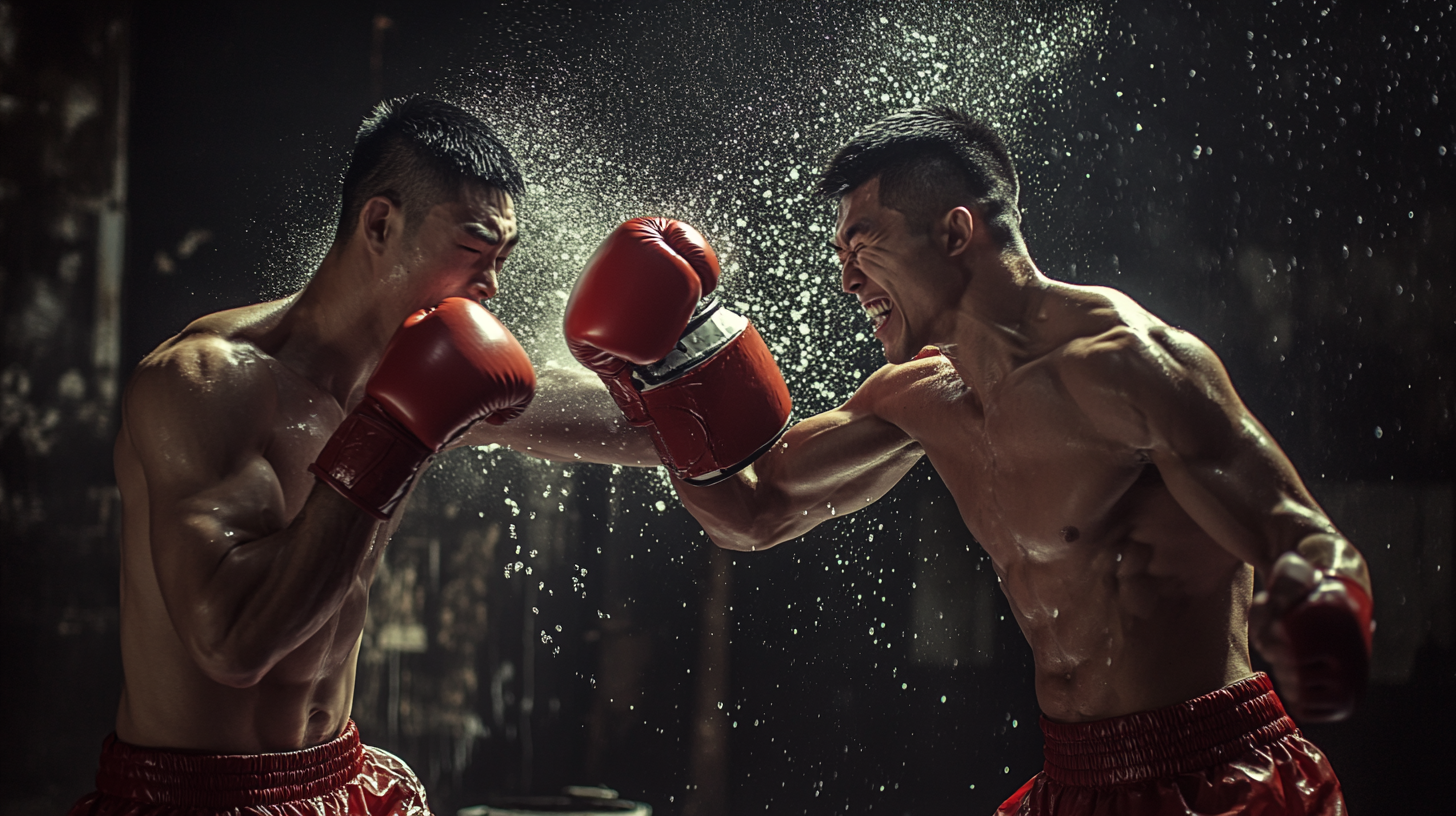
x=826, y=466
x=243, y=584
x=1165, y=392
x=571, y=419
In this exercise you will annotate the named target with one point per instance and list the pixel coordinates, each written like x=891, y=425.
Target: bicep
x=209, y=487
x=825, y=454
x=823, y=467
x=1168, y=397
x=1161, y=395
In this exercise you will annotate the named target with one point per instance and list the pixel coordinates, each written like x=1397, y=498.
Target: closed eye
x=845, y=255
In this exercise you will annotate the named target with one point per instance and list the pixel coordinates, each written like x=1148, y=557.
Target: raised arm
x=245, y=580
x=242, y=584
x=1164, y=392
x=826, y=466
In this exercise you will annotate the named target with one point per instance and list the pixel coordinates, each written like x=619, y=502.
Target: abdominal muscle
x=169, y=702
x=1108, y=659
x=1131, y=619
x=1127, y=603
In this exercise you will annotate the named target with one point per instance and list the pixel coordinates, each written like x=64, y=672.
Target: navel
x=1070, y=534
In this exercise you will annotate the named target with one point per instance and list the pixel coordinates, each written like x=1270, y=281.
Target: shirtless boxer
x=264, y=457
x=1102, y=458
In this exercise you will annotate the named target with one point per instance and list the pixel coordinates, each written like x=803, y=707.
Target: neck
x=338, y=325
x=996, y=320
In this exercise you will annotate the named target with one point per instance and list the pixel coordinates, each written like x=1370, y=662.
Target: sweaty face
x=890, y=269
x=461, y=246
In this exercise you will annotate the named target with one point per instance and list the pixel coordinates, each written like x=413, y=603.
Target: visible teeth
x=876, y=308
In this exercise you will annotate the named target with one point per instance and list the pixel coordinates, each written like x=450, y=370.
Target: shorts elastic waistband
x=228, y=780
x=1190, y=736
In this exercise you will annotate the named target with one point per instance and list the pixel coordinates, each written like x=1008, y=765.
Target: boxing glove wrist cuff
x=712, y=328
x=371, y=460
x=716, y=476
x=718, y=415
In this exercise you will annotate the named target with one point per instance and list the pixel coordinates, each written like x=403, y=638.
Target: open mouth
x=878, y=311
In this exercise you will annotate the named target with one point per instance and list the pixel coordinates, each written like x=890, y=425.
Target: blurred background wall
x=1276, y=177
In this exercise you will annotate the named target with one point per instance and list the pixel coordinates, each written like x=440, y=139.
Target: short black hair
x=419, y=152
x=930, y=160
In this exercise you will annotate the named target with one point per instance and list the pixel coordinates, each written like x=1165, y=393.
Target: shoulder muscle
x=893, y=392
x=197, y=412
x=1153, y=386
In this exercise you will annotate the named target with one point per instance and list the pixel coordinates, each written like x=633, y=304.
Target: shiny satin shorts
x=342, y=776
x=1230, y=751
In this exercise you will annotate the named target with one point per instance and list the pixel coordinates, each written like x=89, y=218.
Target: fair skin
x=1102, y=458
x=244, y=582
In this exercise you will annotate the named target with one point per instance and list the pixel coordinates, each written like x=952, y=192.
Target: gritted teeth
x=878, y=311
x=876, y=307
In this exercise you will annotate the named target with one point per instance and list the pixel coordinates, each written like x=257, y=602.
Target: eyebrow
x=856, y=228
x=483, y=233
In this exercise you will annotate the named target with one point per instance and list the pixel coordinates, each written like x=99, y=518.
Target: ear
x=379, y=221
x=960, y=227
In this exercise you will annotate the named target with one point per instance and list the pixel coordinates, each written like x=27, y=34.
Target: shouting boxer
x=1124, y=493
x=265, y=456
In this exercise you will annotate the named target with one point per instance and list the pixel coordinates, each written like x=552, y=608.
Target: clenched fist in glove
x=443, y=370
x=1315, y=629
x=698, y=375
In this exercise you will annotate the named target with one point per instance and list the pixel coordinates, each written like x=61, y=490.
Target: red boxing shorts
x=1231, y=751
x=341, y=776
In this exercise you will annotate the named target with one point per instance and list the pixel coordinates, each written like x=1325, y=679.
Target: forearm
x=1332, y=553
x=787, y=493
x=1253, y=503
x=572, y=419
x=742, y=514
x=597, y=440
x=268, y=596
x=1298, y=525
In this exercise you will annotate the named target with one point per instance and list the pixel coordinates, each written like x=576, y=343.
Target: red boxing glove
x=633, y=300
x=701, y=379
x=445, y=368
x=1329, y=635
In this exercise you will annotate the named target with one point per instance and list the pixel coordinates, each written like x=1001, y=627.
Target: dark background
x=1276, y=177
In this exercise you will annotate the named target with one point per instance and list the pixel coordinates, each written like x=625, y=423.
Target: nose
x=487, y=284
x=851, y=279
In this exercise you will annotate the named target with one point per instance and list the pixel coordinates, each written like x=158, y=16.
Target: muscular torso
x=305, y=698
x=1127, y=603
x=244, y=580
